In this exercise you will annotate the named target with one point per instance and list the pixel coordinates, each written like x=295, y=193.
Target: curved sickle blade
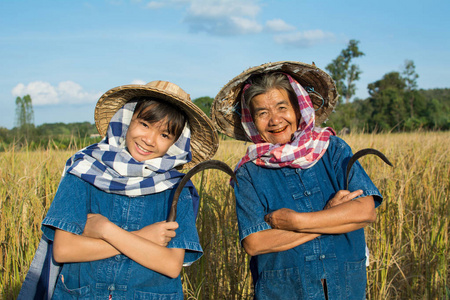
x=360, y=154
x=208, y=164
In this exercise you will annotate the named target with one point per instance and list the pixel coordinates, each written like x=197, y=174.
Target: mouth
x=278, y=130
x=142, y=150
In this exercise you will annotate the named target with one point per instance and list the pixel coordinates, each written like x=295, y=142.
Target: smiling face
x=274, y=116
x=147, y=140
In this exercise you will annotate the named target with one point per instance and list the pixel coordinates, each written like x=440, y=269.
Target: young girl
x=107, y=218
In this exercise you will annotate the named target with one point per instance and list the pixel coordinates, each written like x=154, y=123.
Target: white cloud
x=223, y=8
x=155, y=4
x=243, y=25
x=237, y=17
x=278, y=25
x=43, y=93
x=217, y=17
x=138, y=81
x=305, y=39
x=223, y=17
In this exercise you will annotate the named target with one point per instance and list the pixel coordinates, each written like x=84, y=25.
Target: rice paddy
x=409, y=242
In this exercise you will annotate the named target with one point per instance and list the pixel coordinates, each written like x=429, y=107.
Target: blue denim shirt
x=118, y=276
x=339, y=258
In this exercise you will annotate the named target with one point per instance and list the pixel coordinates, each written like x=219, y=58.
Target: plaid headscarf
x=308, y=144
x=110, y=167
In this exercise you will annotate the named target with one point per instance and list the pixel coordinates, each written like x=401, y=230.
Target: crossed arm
x=102, y=239
x=291, y=228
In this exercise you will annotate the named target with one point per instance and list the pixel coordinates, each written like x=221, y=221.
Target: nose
x=275, y=119
x=149, y=138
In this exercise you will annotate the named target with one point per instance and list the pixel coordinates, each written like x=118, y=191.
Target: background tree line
x=391, y=107
x=394, y=104
x=55, y=135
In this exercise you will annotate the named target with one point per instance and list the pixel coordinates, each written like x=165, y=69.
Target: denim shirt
x=338, y=258
x=118, y=276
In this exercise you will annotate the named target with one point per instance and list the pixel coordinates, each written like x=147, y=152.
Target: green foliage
x=81, y=129
x=204, y=103
x=51, y=136
x=344, y=73
x=24, y=115
x=437, y=108
x=395, y=104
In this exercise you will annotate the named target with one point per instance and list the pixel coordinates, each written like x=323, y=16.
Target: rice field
x=409, y=242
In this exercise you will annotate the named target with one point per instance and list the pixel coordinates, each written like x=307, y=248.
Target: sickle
x=208, y=164
x=360, y=154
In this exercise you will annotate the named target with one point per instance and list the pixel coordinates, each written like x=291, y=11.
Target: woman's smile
x=274, y=116
x=275, y=131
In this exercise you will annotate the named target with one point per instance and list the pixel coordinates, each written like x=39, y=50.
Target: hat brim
x=227, y=102
x=204, y=139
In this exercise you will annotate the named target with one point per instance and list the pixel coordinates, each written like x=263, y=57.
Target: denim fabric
x=42, y=274
x=297, y=273
x=118, y=276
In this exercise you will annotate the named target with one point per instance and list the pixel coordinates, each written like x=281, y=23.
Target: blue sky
x=66, y=54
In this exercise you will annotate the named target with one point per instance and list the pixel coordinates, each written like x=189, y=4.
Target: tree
x=344, y=73
x=410, y=76
x=24, y=114
x=204, y=103
x=387, y=101
x=389, y=80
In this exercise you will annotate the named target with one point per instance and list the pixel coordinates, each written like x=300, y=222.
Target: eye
x=167, y=135
x=144, y=124
x=261, y=114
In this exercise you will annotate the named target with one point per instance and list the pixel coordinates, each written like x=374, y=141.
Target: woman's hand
x=288, y=219
x=283, y=218
x=95, y=226
x=160, y=233
x=342, y=196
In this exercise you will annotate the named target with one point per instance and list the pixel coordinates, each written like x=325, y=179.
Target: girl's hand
x=160, y=233
x=95, y=226
x=342, y=196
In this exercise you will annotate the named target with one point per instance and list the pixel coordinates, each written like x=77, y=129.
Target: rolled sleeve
x=250, y=210
x=186, y=234
x=68, y=211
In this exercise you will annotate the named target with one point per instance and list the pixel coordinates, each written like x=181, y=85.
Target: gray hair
x=261, y=84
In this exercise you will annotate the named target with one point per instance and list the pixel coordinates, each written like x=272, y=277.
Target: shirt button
x=322, y=256
x=307, y=193
x=111, y=287
x=124, y=227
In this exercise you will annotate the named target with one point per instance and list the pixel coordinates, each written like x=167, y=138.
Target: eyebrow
x=256, y=110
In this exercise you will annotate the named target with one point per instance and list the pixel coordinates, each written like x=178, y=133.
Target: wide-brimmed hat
x=204, y=139
x=225, y=111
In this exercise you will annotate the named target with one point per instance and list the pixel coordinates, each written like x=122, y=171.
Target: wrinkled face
x=146, y=141
x=274, y=116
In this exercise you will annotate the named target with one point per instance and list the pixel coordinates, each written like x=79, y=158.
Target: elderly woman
x=303, y=230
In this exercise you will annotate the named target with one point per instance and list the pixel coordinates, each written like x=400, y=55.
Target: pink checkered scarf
x=308, y=145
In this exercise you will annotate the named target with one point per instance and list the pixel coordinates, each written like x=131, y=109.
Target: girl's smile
x=146, y=140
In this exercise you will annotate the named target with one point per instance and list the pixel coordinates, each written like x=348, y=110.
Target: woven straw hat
x=204, y=139
x=227, y=104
